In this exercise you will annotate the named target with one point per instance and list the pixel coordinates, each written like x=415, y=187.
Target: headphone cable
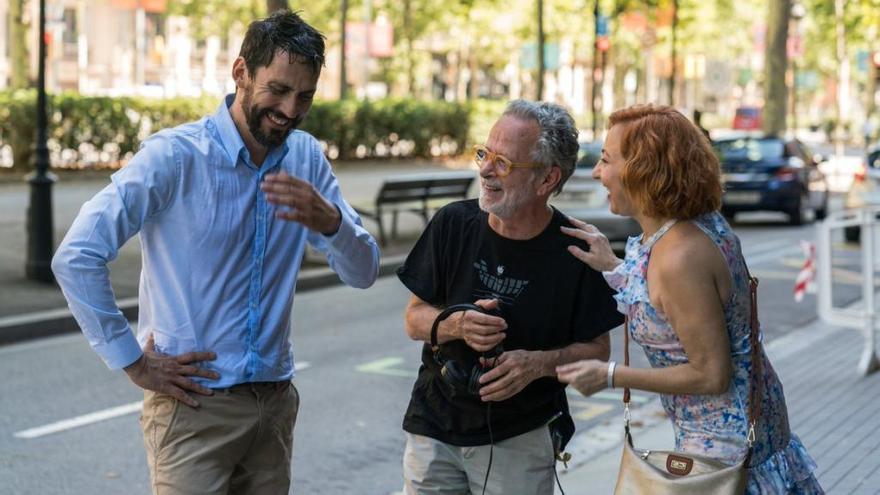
x=491, y=445
x=491, y=438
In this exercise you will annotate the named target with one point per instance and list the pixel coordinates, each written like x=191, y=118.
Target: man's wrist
x=549, y=361
x=335, y=223
x=135, y=367
x=450, y=328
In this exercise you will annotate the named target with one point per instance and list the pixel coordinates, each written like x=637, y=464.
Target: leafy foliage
x=104, y=131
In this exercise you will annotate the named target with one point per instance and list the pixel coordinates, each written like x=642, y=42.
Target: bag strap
x=755, y=381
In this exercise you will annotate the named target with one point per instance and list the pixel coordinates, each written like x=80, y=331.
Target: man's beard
x=254, y=115
x=511, y=202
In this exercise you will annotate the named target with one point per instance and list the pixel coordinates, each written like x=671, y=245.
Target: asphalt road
x=357, y=368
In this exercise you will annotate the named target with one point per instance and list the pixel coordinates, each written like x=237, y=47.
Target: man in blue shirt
x=224, y=207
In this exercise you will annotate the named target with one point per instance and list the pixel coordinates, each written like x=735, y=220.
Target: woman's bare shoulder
x=686, y=251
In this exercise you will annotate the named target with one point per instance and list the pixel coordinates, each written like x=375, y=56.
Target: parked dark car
x=768, y=173
x=865, y=189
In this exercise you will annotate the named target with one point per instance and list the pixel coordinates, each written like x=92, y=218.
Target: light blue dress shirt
x=219, y=270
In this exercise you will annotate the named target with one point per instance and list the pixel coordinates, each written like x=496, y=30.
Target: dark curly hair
x=283, y=31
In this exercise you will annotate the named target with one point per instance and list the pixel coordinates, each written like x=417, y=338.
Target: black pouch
x=561, y=431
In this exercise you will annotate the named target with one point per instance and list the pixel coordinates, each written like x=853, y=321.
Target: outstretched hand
x=587, y=376
x=600, y=256
x=304, y=203
x=170, y=374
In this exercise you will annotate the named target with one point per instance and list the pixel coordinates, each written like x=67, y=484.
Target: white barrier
x=864, y=317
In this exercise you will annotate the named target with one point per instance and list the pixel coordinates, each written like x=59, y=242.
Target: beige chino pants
x=238, y=441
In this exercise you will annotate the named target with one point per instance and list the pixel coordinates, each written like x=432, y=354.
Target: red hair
x=670, y=169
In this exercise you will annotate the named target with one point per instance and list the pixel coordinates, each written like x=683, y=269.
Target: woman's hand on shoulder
x=600, y=256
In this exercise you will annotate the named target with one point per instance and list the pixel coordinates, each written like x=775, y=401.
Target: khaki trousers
x=238, y=441
x=524, y=464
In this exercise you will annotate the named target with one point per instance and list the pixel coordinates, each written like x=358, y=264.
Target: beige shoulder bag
x=654, y=472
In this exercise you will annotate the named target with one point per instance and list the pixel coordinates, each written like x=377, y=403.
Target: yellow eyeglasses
x=503, y=166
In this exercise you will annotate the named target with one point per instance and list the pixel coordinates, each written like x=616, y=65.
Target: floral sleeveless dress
x=717, y=425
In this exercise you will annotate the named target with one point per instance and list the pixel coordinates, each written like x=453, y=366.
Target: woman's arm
x=684, y=275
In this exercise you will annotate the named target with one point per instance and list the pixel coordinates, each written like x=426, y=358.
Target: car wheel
x=802, y=212
x=852, y=234
x=823, y=212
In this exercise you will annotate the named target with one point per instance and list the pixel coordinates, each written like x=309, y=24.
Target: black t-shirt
x=549, y=299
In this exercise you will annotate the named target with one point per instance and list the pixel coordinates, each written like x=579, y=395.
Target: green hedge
x=99, y=131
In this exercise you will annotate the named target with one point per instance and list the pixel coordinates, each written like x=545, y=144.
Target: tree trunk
x=841, y=108
x=775, y=91
x=674, y=55
x=343, y=75
x=473, y=82
x=407, y=38
x=539, y=91
x=276, y=5
x=594, y=74
x=18, y=53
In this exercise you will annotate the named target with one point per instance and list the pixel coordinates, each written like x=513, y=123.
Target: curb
x=40, y=324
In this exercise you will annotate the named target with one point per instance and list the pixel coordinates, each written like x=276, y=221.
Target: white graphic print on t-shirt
x=505, y=289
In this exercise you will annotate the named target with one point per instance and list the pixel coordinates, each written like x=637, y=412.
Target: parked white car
x=586, y=199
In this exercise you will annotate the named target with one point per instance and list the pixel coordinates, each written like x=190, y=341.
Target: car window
x=589, y=154
x=747, y=148
x=874, y=159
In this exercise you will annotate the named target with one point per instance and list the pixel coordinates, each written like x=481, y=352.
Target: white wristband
x=611, y=366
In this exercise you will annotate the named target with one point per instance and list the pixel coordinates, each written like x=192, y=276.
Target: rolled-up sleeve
x=136, y=194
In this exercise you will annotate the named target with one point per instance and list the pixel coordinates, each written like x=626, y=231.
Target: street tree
x=276, y=5
x=861, y=25
x=775, y=66
x=539, y=90
x=18, y=52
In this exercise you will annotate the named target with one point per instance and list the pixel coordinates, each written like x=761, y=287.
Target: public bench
x=415, y=193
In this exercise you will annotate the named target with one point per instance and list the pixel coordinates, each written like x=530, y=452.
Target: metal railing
x=864, y=316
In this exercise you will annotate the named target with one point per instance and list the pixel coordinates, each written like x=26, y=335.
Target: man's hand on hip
x=305, y=204
x=512, y=372
x=169, y=374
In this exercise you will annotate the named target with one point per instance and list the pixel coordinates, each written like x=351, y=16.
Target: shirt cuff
x=121, y=351
x=345, y=231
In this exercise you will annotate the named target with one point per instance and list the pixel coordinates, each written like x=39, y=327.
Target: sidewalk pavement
x=831, y=407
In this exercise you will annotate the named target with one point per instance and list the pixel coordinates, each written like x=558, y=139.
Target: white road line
x=764, y=247
x=85, y=419
x=773, y=254
x=96, y=417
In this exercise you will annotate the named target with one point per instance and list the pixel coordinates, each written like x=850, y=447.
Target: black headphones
x=453, y=373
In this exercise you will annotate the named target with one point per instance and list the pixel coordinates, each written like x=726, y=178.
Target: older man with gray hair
x=500, y=304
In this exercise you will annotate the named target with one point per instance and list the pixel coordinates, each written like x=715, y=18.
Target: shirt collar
x=228, y=134
x=231, y=140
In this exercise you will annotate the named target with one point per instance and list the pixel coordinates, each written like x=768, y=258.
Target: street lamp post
x=39, y=215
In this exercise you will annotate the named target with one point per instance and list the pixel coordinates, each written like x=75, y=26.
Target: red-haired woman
x=685, y=287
